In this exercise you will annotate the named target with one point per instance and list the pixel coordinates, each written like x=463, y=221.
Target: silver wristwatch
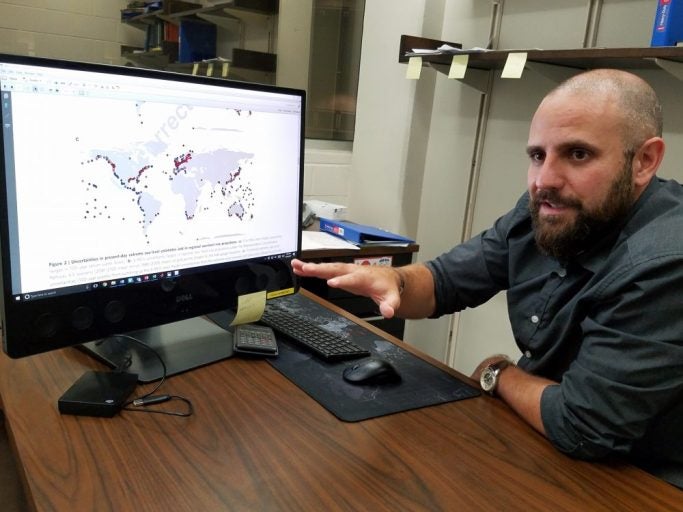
x=489, y=376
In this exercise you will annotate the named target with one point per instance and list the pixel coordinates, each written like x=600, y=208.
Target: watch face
x=488, y=379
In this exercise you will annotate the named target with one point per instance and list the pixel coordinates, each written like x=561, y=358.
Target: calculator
x=255, y=339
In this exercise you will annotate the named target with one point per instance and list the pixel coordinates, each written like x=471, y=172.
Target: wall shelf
x=225, y=15
x=668, y=58
x=168, y=7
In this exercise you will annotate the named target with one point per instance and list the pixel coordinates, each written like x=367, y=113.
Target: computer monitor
x=136, y=201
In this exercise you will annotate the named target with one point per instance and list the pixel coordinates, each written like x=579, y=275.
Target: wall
x=327, y=168
x=87, y=30
x=293, y=42
x=385, y=108
x=447, y=166
x=414, y=139
x=327, y=165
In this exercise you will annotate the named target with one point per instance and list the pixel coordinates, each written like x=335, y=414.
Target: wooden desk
x=257, y=442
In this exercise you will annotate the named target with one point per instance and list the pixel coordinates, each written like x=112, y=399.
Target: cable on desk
x=149, y=398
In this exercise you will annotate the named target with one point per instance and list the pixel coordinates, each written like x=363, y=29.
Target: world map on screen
x=162, y=177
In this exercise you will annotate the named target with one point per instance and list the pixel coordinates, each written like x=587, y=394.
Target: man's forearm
x=519, y=389
x=522, y=392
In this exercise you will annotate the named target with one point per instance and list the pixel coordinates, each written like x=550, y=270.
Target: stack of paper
x=316, y=240
x=444, y=49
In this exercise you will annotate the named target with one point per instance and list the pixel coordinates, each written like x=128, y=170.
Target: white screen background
x=80, y=222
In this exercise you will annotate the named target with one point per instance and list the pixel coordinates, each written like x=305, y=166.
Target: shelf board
x=408, y=43
x=153, y=59
x=223, y=14
x=250, y=59
x=176, y=11
x=266, y=7
x=241, y=59
x=580, y=58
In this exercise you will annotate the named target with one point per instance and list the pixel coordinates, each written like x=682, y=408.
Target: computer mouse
x=371, y=371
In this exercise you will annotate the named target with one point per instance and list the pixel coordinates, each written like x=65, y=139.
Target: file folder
x=668, y=25
x=362, y=234
x=197, y=40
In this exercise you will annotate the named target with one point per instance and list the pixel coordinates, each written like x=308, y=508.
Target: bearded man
x=591, y=258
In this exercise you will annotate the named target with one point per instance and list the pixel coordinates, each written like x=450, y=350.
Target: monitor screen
x=136, y=198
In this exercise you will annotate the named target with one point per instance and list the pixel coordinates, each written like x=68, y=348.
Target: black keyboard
x=324, y=344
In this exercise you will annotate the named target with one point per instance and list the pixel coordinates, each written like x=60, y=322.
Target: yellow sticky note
x=458, y=66
x=414, y=68
x=209, y=69
x=226, y=67
x=250, y=307
x=514, y=65
x=195, y=68
x=280, y=293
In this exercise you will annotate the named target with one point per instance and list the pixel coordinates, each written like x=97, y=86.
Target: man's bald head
x=635, y=100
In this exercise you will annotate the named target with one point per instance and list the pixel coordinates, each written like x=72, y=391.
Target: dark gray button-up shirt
x=608, y=326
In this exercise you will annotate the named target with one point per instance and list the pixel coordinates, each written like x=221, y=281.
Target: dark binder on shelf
x=197, y=41
x=668, y=24
x=362, y=234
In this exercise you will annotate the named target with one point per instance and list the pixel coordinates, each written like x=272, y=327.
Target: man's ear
x=646, y=161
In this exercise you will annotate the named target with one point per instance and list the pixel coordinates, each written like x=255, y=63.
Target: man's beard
x=564, y=243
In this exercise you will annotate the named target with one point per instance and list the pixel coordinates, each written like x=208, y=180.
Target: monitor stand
x=182, y=345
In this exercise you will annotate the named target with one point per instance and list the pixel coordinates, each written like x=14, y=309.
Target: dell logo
x=185, y=297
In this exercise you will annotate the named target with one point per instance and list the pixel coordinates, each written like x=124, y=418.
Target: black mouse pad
x=422, y=384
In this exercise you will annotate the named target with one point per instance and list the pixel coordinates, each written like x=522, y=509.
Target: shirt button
x=534, y=319
x=527, y=354
x=562, y=272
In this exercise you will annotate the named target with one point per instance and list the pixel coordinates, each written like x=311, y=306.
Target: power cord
x=150, y=398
